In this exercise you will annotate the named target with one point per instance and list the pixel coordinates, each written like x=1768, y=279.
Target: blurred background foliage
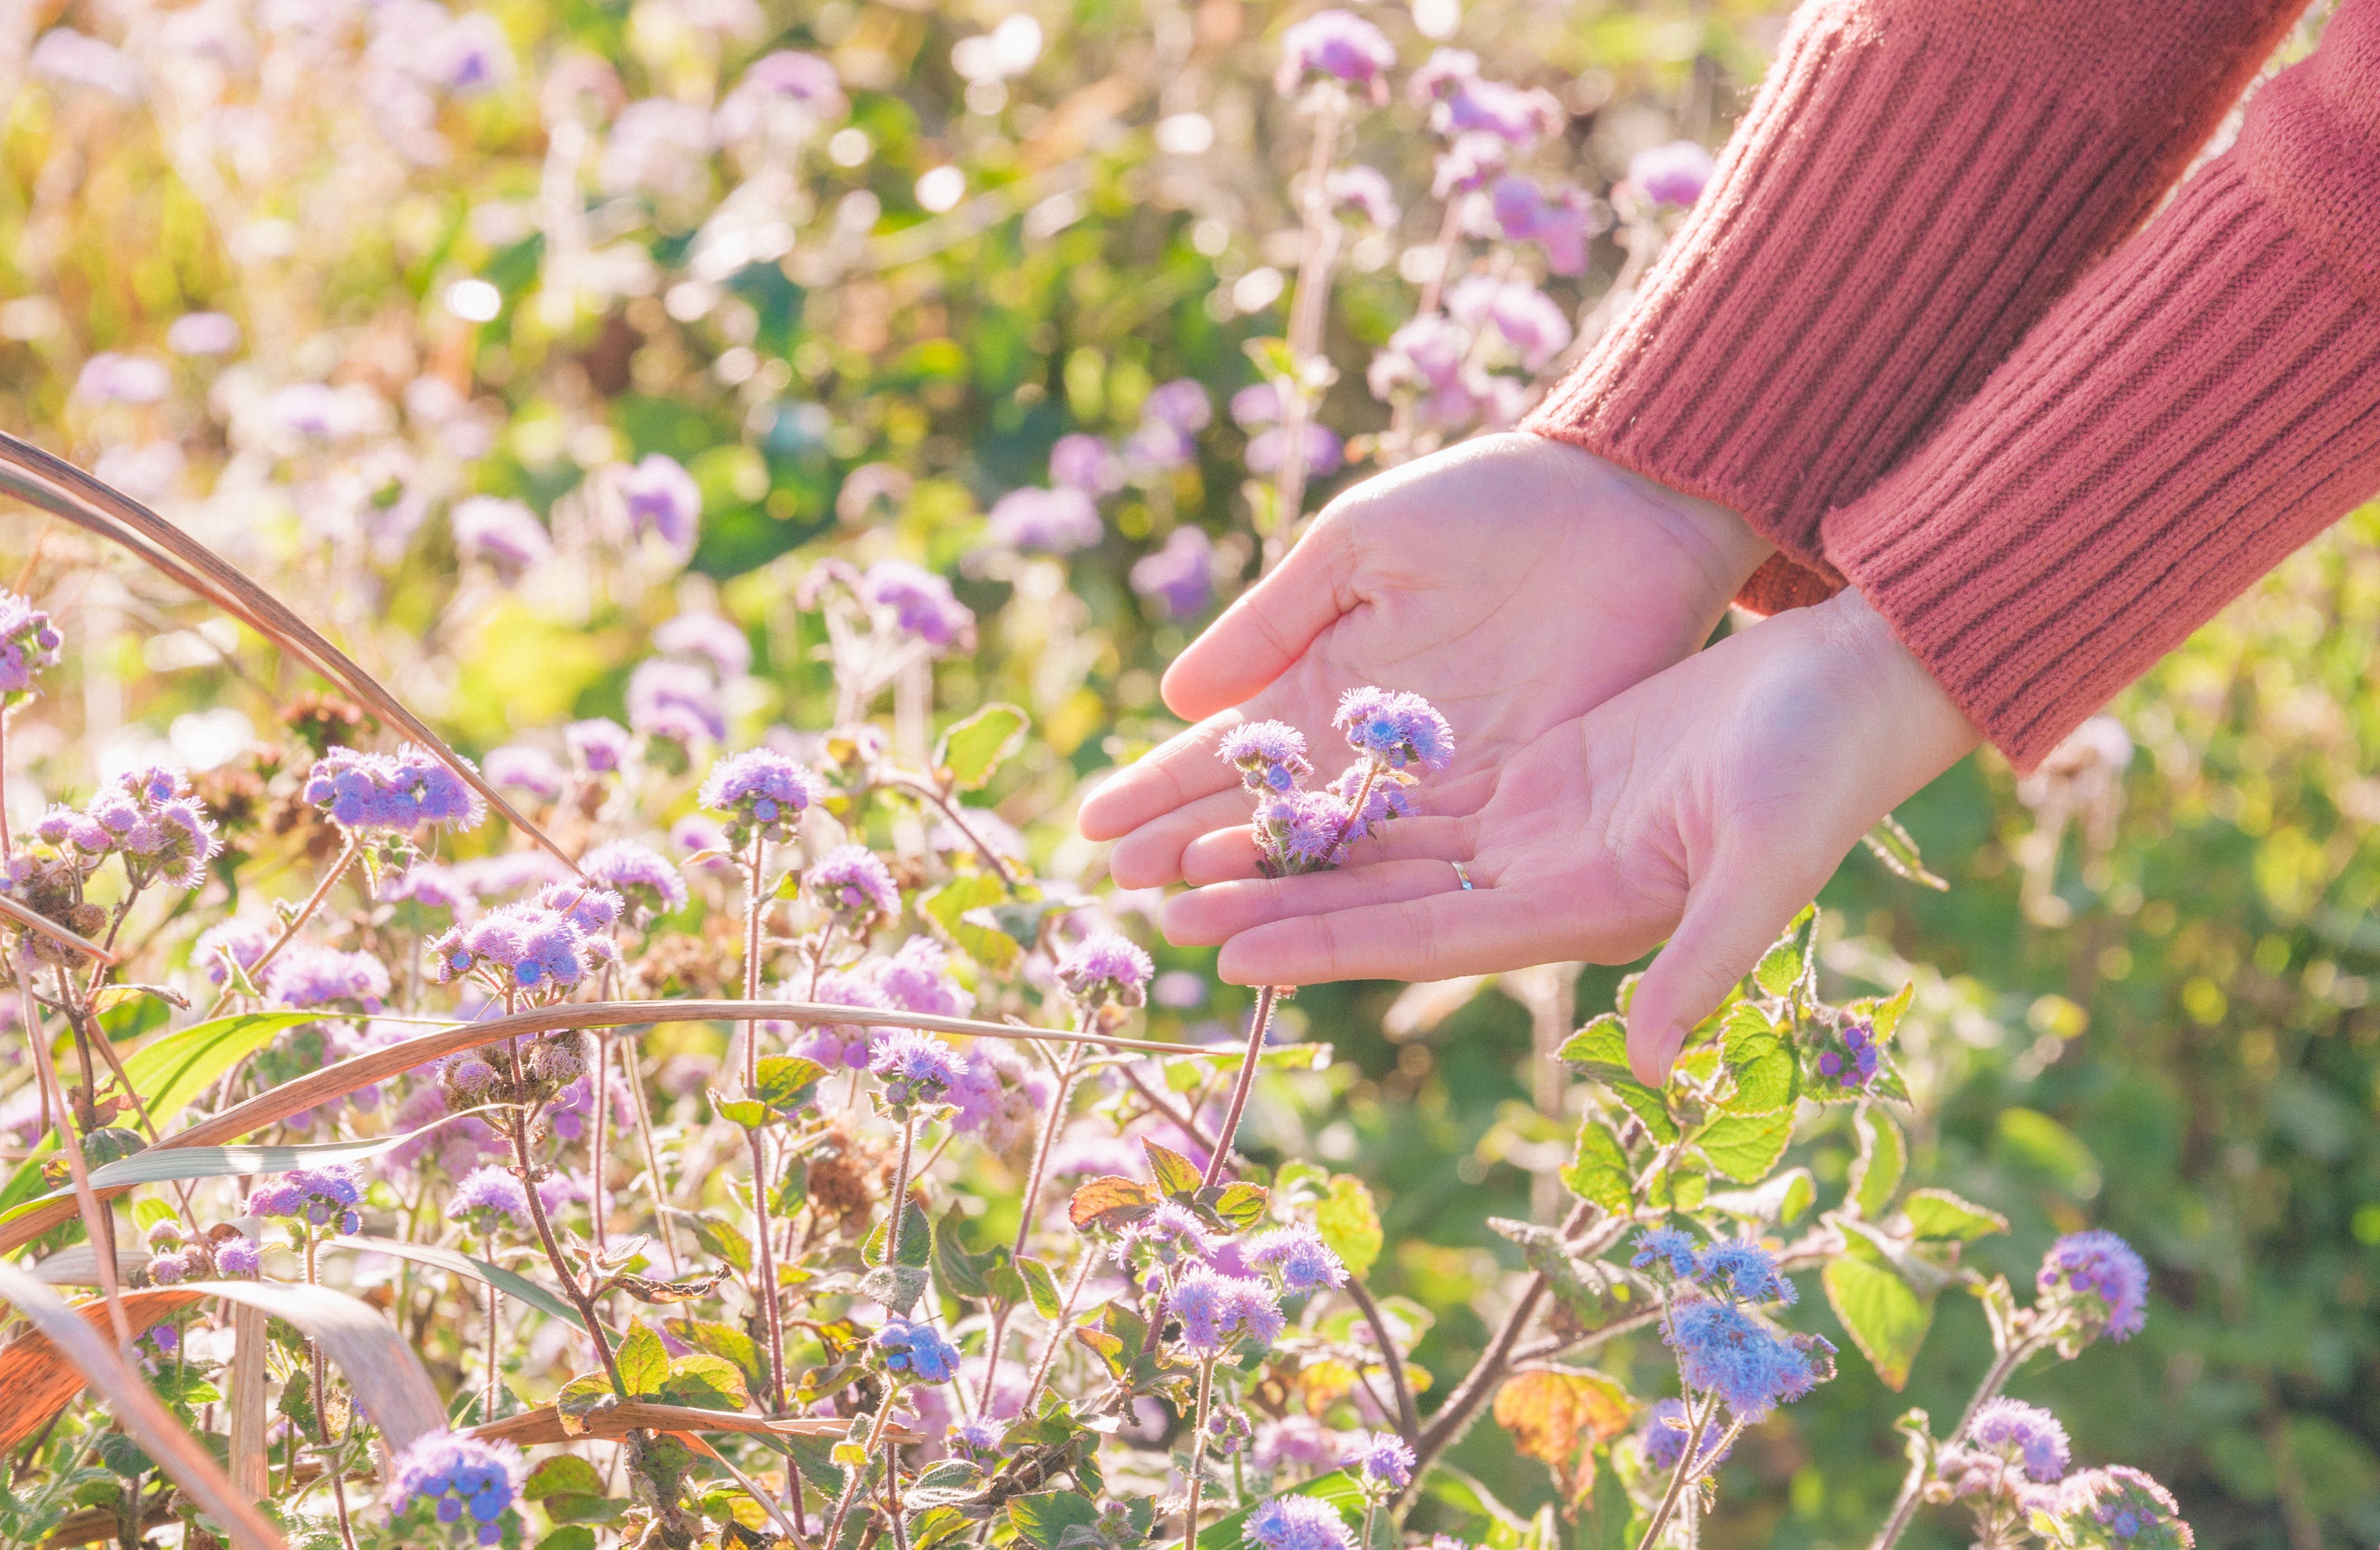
x=2142, y=1002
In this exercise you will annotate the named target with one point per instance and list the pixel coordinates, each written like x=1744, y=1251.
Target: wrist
x=1714, y=537
x=1914, y=728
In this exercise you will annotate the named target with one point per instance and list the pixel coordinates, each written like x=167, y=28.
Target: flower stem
x=764, y=1251
x=1058, y=1332
x=1258, y=1026
x=900, y=1192
x=1031, y=1203
x=1198, y=1454
x=1679, y=1476
x=876, y=1433
x=571, y=1289
x=1995, y=1378
x=1308, y=311
x=355, y=848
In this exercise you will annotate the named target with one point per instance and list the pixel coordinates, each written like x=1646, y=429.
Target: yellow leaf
x=1558, y=1418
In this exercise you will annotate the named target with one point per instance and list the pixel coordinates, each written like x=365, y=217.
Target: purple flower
x=917, y=1070
x=2008, y=1432
x=1296, y=1257
x=1750, y=1366
x=521, y=946
x=1395, y=727
x=1526, y=318
x=1001, y=1096
x=1663, y=1436
x=2118, y=1508
x=1297, y=1439
x=487, y=1198
x=1228, y=1431
x=677, y=701
x=458, y=1475
x=977, y=1439
x=1667, y=1245
x=1216, y=1309
x=1472, y=161
x=1182, y=404
x=469, y=56
x=601, y=746
x=1086, y=462
x=402, y=791
x=305, y=975
x=721, y=642
x=1387, y=1461
x=1744, y=1272
x=1855, y=1065
x=1256, y=406
x=1105, y=968
x=2098, y=1279
x=836, y=1045
x=29, y=642
x=506, y=534
x=238, y=1257
x=1180, y=576
x=1158, y=446
x=1269, y=755
x=1560, y=225
x=798, y=90
x=79, y=59
x=1299, y=1523
x=527, y=768
x=922, y=602
x=852, y=885
x=1386, y=800
x=593, y=910
x=1337, y=43
x=1519, y=118
x=243, y=941
x=1446, y=69
x=916, y=978
x=639, y=874
x=202, y=334
x=1324, y=453
x=1365, y=192
x=1056, y=521
x=110, y=378
x=917, y=1349
x=763, y=792
x=1674, y=173
x=311, y=1196
x=1169, y=1235
x=1303, y=830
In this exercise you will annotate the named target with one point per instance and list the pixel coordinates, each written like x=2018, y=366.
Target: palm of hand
x=1514, y=583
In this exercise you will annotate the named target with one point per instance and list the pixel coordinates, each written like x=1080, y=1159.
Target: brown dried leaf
x=1559, y=1417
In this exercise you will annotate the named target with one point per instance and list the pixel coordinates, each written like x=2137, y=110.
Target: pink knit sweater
x=1917, y=334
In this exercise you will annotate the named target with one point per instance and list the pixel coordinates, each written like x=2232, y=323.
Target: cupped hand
x=1704, y=806
x=1514, y=582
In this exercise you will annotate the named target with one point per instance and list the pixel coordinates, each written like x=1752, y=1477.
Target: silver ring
x=1463, y=874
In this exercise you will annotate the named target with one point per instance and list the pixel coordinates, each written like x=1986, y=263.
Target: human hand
x=1514, y=581
x=1705, y=805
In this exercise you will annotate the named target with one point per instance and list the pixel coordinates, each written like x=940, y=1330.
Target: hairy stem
x=1031, y=1203
x=1696, y=1422
x=1258, y=1026
x=1198, y=1454
x=98, y=1222
x=2004, y=1367
x=1308, y=310
x=353, y=849
x=764, y=1251
x=1408, y=1418
x=876, y=1435
x=571, y=1287
x=1058, y=1332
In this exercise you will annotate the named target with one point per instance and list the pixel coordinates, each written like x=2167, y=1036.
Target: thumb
x=1731, y=919
x=1266, y=628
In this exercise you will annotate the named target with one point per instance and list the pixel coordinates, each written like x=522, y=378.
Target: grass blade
x=37, y=1379
x=508, y=1282
x=178, y=1454
x=63, y=491
x=544, y=1426
x=383, y=1372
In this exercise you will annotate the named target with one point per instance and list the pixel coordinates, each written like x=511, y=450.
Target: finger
x=1150, y=856
x=1211, y=916
x=1266, y=628
x=1731, y=919
x=1222, y=854
x=1438, y=935
x=1175, y=773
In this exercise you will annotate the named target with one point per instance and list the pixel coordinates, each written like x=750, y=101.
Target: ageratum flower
x=1053, y=521
x=526, y=768
x=2098, y=1281
x=1105, y=969
x=312, y=1196
x=1302, y=831
x=240, y=941
x=601, y=746
x=1299, y=1523
x=2007, y=1436
x=1743, y=1272
x=853, y=886
x=917, y=978
x=1669, y=1247
x=1386, y=1462
x=761, y=792
x=1519, y=118
x=1560, y=225
x=1085, y=463
x=29, y=642
x=1324, y=453
x=1297, y=1258
x=2116, y=1509
x=1386, y=800
x=1229, y=1431
x=919, y=1070
x=238, y=1255
x=506, y=534
x=1363, y=192
x=455, y=1475
x=306, y=975
x=1753, y=1369
x=518, y=946
x=1663, y=1436
x=1180, y=576
x=1529, y=321
x=1169, y=1236
x=975, y=1439
x=1856, y=1063
x=489, y=1198
x=1216, y=1309
x=639, y=873
x=1395, y=728
x=836, y=1045
x=1338, y=44
x=147, y=816
x=399, y=792
x=662, y=499
x=675, y=702
x=917, y=1349
x=1001, y=1097
x=921, y=603
x=1675, y=173
x=593, y=910
x=709, y=638
x=1269, y=755
x=785, y=88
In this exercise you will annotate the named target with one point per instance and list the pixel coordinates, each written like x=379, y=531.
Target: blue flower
x=1216, y=1309
x=1663, y=1436
x=1387, y=1461
x=852, y=885
x=917, y=1349
x=637, y=873
x=1744, y=1271
x=1106, y=968
x=1299, y=1523
x=458, y=1474
x=917, y=1070
x=487, y=1196
x=760, y=791
x=1171, y=1234
x=1269, y=755
x=1298, y=1257
x=1752, y=1368
x=2098, y=1277
x=2120, y=1508
x=2008, y=1432
x=1668, y=1245
x=1395, y=728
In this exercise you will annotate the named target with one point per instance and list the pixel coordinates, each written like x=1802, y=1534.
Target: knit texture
x=2200, y=405
x=1914, y=185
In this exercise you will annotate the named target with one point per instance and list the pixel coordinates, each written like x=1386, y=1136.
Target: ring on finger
x=1462, y=875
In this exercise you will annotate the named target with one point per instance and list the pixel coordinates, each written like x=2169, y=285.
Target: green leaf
x=1782, y=966
x=705, y=1381
x=574, y=1537
x=1893, y=846
x=960, y=1272
x=2033, y=1144
x=1350, y=1223
x=730, y=1344
x=1599, y=1170
x=917, y=1238
x=1939, y=1214
x=1746, y=1147
x=578, y=1397
x=1109, y=1201
x=1883, y=1315
x=1239, y=1203
x=1883, y=1158
x=972, y=749
x=1043, y=1287
x=643, y=1361
x=750, y=1113
x=946, y=1483
x=564, y=1475
x=720, y=1239
x=898, y=1286
x=517, y=1287
x=1044, y=1516
x=1601, y=1049
x=1338, y=1488
x=1177, y=1175
x=789, y=1082
x=947, y=907
x=1766, y=1071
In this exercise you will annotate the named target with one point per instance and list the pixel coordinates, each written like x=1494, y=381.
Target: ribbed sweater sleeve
x=1915, y=184
x=2202, y=403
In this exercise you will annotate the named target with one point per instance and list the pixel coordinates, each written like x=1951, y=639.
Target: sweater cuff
x=1899, y=205
x=2207, y=401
